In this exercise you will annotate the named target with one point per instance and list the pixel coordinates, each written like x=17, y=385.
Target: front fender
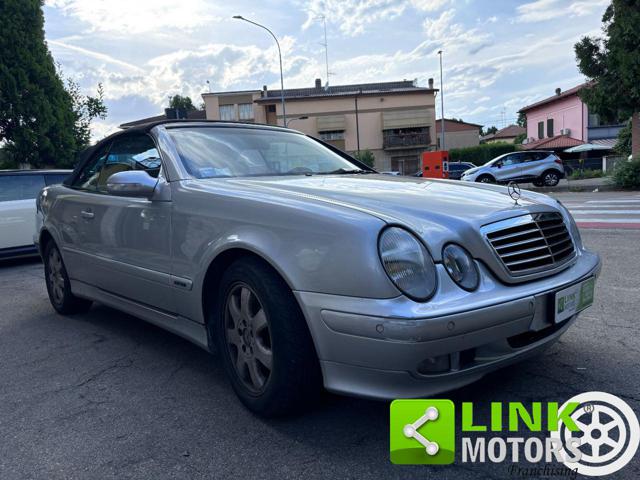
x=315, y=247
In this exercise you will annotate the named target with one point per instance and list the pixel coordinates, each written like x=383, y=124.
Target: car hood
x=422, y=204
x=472, y=170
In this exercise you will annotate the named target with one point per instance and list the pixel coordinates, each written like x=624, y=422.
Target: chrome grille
x=531, y=243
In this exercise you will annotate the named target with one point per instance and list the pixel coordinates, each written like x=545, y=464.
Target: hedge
x=482, y=153
x=627, y=174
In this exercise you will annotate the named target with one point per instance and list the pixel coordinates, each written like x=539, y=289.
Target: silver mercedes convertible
x=302, y=267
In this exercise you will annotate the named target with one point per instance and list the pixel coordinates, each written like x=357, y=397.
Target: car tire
x=58, y=285
x=262, y=336
x=485, y=179
x=550, y=178
x=538, y=183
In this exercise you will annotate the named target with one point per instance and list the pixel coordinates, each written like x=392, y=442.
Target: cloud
x=353, y=16
x=137, y=16
x=428, y=5
x=543, y=10
x=95, y=55
x=443, y=32
x=143, y=51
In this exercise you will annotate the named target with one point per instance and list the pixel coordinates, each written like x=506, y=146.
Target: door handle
x=88, y=214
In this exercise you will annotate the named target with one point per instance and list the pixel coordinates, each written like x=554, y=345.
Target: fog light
x=430, y=365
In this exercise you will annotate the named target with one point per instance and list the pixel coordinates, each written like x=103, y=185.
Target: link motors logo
x=608, y=437
x=592, y=434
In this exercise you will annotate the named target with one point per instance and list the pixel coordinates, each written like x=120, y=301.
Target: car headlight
x=407, y=263
x=460, y=266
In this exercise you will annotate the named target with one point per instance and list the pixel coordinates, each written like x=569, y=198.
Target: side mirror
x=498, y=165
x=133, y=183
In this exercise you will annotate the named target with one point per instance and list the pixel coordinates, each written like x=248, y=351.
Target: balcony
x=392, y=141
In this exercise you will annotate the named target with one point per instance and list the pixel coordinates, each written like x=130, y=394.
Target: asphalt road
x=104, y=395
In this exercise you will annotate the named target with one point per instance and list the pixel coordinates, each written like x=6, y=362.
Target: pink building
x=563, y=114
x=563, y=120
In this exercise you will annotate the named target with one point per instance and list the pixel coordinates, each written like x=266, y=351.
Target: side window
x=88, y=177
x=540, y=130
x=20, y=187
x=509, y=160
x=131, y=152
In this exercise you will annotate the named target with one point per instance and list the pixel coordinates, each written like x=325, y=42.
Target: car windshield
x=213, y=152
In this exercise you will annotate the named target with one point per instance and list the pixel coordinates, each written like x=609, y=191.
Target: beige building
x=458, y=134
x=394, y=120
x=505, y=135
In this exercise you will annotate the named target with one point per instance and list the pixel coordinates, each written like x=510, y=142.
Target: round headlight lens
x=460, y=266
x=408, y=263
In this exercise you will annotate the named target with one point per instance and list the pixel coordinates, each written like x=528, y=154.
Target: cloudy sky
x=499, y=55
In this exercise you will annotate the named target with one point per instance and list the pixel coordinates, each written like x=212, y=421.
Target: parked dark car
x=456, y=169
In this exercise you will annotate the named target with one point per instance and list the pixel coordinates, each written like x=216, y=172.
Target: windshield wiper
x=344, y=171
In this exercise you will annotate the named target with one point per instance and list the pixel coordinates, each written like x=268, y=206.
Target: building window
x=332, y=135
x=227, y=112
x=245, y=111
x=540, y=130
x=550, y=127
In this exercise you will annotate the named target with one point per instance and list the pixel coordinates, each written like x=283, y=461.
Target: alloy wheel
x=56, y=276
x=551, y=179
x=248, y=337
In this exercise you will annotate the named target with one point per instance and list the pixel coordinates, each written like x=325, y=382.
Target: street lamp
x=441, y=104
x=288, y=122
x=284, y=113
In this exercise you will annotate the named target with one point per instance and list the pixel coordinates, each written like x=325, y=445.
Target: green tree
x=488, y=131
x=366, y=157
x=522, y=120
x=612, y=64
x=623, y=143
x=36, y=112
x=178, y=101
x=520, y=138
x=86, y=108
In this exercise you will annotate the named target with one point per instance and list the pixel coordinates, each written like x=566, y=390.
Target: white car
x=18, y=192
x=542, y=168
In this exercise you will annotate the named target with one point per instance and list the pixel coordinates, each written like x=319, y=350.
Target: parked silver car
x=539, y=167
x=302, y=267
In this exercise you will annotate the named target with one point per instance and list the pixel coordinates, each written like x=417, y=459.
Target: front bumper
x=397, y=348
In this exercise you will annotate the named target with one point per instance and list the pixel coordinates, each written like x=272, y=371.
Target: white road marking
x=607, y=220
x=634, y=200
x=602, y=205
x=605, y=212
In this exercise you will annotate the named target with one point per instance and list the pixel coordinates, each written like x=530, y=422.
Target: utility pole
x=284, y=112
x=358, y=123
x=441, y=104
x=326, y=47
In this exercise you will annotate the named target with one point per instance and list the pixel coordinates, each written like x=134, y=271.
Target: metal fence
x=610, y=162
